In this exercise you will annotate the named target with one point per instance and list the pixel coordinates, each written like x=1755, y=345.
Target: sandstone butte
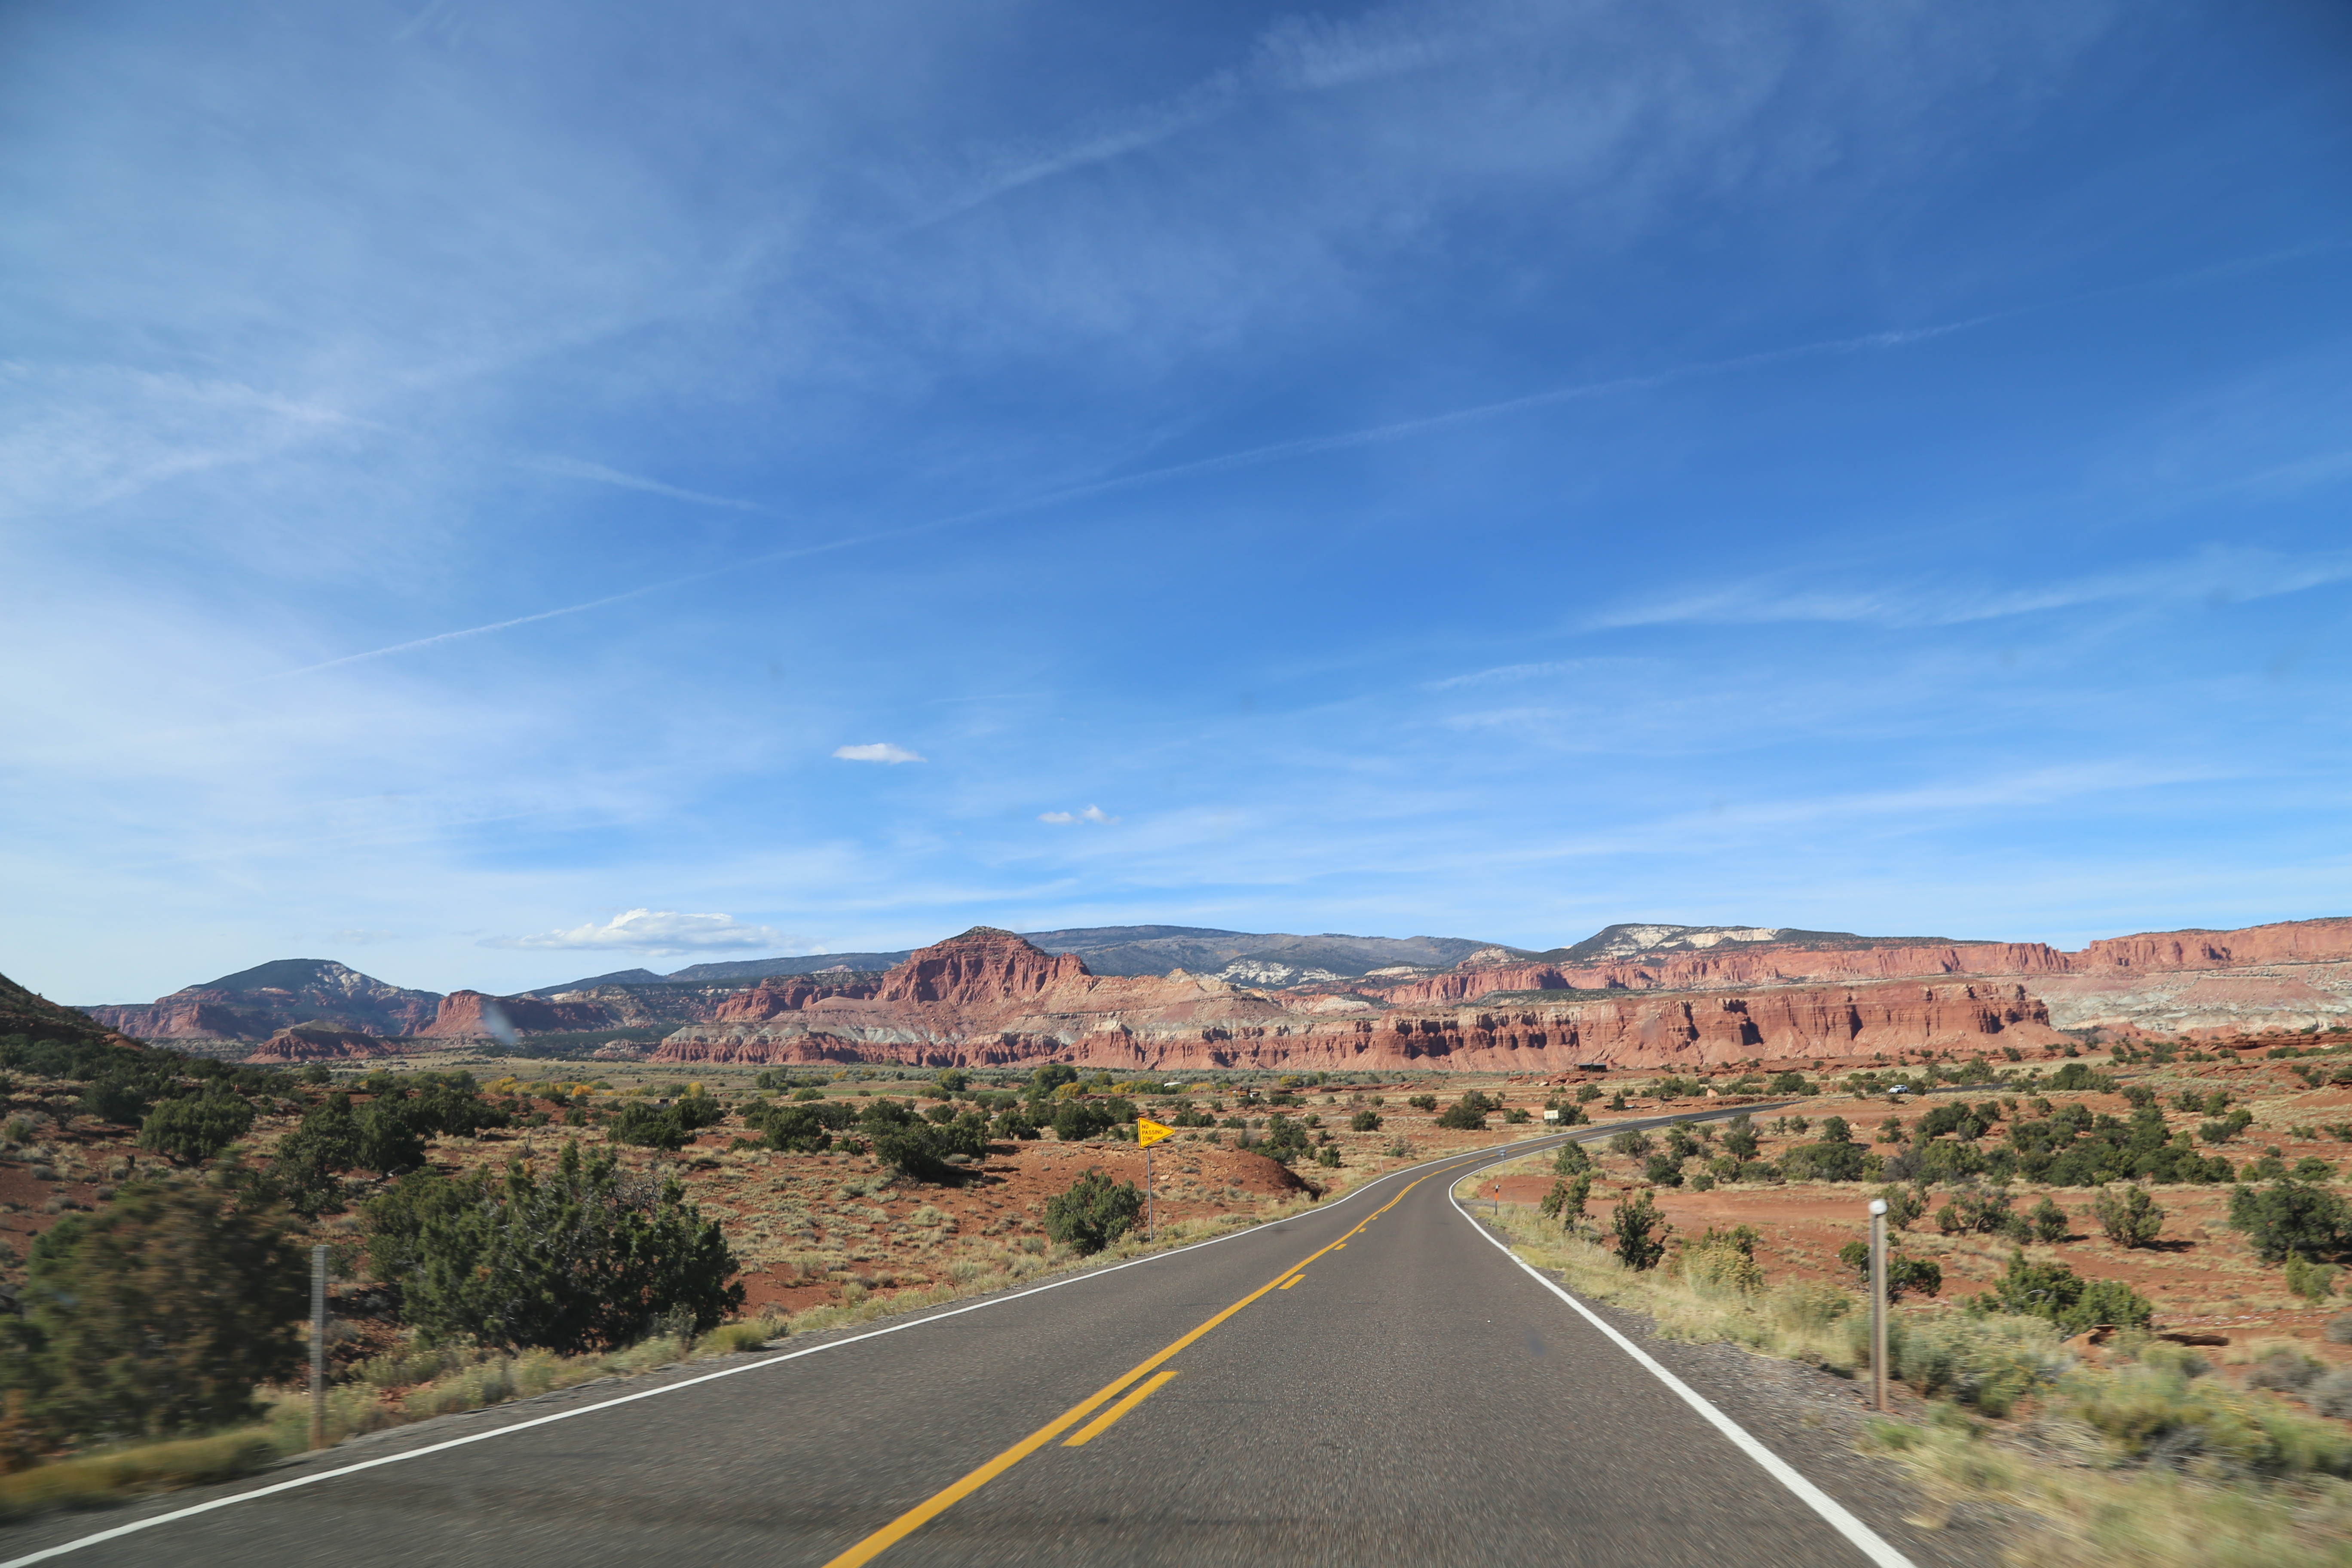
x=316, y=1043
x=988, y=998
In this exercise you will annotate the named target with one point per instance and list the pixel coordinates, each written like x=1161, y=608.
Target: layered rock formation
x=256, y=1003
x=2289, y=975
x=316, y=1042
x=989, y=999
x=2286, y=975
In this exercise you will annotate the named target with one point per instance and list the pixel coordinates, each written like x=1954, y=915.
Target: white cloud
x=657, y=932
x=880, y=752
x=1091, y=814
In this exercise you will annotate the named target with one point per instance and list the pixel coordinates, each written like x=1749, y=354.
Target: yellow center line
x=1291, y=1281
x=1102, y=1423
x=939, y=1502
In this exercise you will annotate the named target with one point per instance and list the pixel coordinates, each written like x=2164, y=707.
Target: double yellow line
x=939, y=1502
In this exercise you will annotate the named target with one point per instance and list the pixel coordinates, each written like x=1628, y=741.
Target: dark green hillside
x=23, y=1013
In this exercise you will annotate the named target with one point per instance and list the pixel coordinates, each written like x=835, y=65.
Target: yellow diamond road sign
x=1147, y=1131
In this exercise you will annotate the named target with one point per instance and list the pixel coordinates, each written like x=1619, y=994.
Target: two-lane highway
x=1372, y=1381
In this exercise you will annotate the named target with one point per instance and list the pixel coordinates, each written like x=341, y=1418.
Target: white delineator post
x=318, y=1347
x=1878, y=1300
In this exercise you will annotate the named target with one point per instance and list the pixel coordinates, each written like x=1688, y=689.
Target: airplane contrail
x=1306, y=446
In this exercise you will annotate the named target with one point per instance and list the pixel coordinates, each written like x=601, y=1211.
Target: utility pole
x=318, y=1347
x=1878, y=1300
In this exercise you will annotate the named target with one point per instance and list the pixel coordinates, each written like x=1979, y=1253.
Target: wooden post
x=318, y=1347
x=1878, y=1300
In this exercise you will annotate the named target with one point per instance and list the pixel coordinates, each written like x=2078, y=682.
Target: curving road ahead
x=1372, y=1381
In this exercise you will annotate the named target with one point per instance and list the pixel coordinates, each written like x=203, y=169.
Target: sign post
x=1148, y=1132
x=1878, y=1300
x=318, y=1347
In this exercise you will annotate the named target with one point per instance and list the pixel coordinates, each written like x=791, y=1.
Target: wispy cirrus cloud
x=597, y=473
x=1093, y=814
x=880, y=752
x=659, y=932
x=2217, y=576
x=1296, y=55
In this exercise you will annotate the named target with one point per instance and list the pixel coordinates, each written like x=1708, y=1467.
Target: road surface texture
x=1372, y=1381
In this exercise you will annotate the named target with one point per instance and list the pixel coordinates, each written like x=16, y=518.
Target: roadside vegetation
x=495, y=1240
x=2094, y=1399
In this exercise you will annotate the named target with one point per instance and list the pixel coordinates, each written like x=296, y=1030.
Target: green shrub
x=1640, y=1231
x=1423, y=1101
x=921, y=1150
x=1364, y=1122
x=1987, y=1363
x=798, y=1129
x=1980, y=1211
x=1740, y=1138
x=1094, y=1211
x=2128, y=1215
x=1722, y=1263
x=1076, y=1121
x=641, y=1124
x=2290, y=1216
x=1048, y=1076
x=158, y=1313
x=2159, y=1414
x=1903, y=1204
x=1467, y=1114
x=1573, y=1158
x=2076, y=1075
x=1837, y=1160
x=2283, y=1369
x=1663, y=1169
x=308, y=1160
x=2311, y=1281
x=118, y=1097
x=2331, y=1395
x=195, y=1127
x=589, y=1258
x=2055, y=1292
x=2048, y=1221
x=1904, y=1275
x=1632, y=1144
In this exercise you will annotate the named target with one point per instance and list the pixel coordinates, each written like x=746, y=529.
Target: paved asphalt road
x=1414, y=1397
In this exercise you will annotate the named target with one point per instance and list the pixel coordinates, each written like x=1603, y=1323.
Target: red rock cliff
x=983, y=965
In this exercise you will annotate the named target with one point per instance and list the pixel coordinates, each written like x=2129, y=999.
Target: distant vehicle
x=1899, y=1089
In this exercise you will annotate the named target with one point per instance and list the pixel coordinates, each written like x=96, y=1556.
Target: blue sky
x=474, y=473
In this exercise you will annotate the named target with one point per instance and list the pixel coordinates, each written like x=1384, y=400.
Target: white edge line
x=119, y=1530
x=1872, y=1544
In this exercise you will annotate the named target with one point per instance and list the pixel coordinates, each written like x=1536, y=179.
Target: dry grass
x=2145, y=1464
x=1800, y=1320
x=90, y=1479
x=2081, y=1516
